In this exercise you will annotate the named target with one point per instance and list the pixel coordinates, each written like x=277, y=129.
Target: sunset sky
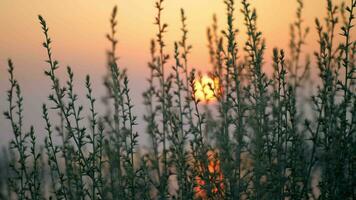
x=78, y=29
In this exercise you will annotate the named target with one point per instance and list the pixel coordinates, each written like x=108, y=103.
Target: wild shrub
x=253, y=141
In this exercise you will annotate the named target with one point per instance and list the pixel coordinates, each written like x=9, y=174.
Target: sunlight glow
x=216, y=179
x=207, y=88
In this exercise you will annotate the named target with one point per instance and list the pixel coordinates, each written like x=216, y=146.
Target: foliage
x=254, y=142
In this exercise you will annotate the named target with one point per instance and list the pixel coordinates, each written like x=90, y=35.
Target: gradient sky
x=78, y=29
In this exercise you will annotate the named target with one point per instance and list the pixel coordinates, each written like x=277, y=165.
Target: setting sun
x=206, y=88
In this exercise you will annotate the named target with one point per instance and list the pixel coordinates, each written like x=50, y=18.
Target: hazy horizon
x=78, y=31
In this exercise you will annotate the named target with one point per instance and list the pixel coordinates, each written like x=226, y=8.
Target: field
x=236, y=132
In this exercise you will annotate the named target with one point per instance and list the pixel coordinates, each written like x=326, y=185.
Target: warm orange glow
x=207, y=88
x=78, y=30
x=215, y=185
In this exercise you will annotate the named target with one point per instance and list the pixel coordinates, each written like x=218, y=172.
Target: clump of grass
x=250, y=144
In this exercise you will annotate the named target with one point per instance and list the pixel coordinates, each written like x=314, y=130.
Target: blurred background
x=78, y=28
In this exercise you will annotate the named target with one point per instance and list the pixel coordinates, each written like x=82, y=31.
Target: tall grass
x=254, y=141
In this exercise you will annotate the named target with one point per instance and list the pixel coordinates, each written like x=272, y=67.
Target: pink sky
x=78, y=29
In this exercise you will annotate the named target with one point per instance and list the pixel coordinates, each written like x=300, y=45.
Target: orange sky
x=78, y=29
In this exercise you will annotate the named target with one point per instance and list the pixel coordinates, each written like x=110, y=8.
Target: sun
x=207, y=88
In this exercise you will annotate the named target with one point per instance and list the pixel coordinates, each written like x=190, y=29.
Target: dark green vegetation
x=256, y=143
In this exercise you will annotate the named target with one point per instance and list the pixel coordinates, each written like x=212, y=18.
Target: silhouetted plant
x=248, y=143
